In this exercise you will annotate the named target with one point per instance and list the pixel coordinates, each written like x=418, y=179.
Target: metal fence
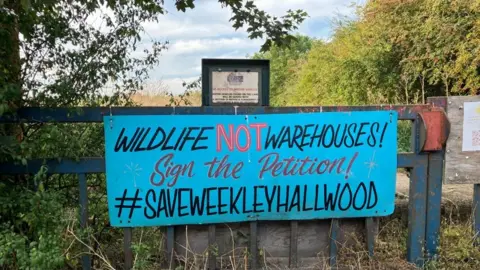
x=425, y=178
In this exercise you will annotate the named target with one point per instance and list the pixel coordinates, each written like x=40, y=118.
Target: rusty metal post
x=436, y=134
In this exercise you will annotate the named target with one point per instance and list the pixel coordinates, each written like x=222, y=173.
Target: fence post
x=370, y=230
x=417, y=203
x=334, y=229
x=83, y=198
x=253, y=245
x=127, y=248
x=476, y=213
x=416, y=213
x=212, y=240
x=171, y=247
x=435, y=177
x=434, y=202
x=293, y=244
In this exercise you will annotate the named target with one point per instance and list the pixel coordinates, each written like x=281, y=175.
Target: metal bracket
x=434, y=129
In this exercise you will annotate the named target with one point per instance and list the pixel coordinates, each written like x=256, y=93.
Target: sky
x=205, y=32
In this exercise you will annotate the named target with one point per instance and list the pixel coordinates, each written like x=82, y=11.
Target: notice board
x=235, y=87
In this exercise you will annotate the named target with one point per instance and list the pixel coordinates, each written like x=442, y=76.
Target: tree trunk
x=422, y=84
x=10, y=53
x=10, y=70
x=445, y=82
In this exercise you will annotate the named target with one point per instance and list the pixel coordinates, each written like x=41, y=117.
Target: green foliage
x=347, y=71
x=68, y=60
x=261, y=24
x=395, y=52
x=183, y=98
x=143, y=254
x=404, y=136
x=31, y=226
x=437, y=40
x=284, y=62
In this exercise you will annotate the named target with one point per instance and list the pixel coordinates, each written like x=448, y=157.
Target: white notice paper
x=471, y=126
x=235, y=87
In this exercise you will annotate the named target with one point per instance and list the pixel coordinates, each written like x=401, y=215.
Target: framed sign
x=205, y=169
x=237, y=82
x=236, y=86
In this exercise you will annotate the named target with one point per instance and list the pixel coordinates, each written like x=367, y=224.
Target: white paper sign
x=235, y=87
x=471, y=126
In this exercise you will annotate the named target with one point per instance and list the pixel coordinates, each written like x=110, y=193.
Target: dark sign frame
x=261, y=66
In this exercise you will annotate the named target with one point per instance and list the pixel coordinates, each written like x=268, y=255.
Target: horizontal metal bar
x=97, y=165
x=409, y=160
x=95, y=114
x=65, y=166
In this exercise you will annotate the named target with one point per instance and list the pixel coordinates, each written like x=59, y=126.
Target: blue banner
x=201, y=169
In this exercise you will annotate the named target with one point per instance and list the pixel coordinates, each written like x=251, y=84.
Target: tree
x=284, y=62
x=349, y=69
x=51, y=54
x=394, y=52
x=66, y=58
x=436, y=40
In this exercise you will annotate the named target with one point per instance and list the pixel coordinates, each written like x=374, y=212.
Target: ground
x=456, y=194
x=456, y=245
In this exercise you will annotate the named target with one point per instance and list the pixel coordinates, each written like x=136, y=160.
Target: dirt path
x=453, y=194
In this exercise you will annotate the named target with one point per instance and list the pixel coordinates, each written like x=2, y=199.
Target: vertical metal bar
x=170, y=246
x=434, y=201
x=293, y=244
x=253, y=245
x=476, y=209
x=415, y=135
x=370, y=229
x=127, y=248
x=417, y=203
x=212, y=258
x=417, y=212
x=334, y=228
x=82, y=185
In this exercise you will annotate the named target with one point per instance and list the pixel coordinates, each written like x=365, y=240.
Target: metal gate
x=425, y=162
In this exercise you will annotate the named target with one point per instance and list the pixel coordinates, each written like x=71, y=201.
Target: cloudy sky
x=205, y=32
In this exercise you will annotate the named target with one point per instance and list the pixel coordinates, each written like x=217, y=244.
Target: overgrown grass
x=456, y=248
x=404, y=135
